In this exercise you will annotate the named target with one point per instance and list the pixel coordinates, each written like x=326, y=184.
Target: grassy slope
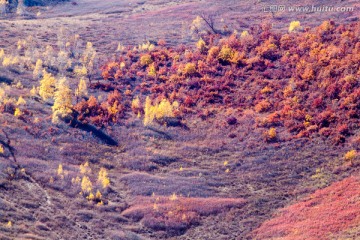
x=268, y=176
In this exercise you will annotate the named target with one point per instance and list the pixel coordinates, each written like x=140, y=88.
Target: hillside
x=179, y=120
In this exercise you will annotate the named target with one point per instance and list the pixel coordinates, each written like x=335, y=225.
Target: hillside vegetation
x=223, y=134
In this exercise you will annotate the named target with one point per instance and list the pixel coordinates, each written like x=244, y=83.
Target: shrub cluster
x=307, y=81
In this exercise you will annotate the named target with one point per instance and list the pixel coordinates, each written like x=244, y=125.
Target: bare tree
x=209, y=19
x=7, y=144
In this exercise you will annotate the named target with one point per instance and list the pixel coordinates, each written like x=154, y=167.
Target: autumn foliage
x=308, y=79
x=101, y=113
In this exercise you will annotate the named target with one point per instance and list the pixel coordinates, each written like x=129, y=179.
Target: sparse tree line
x=93, y=188
x=52, y=66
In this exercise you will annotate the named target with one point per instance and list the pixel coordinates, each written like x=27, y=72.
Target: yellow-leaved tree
x=196, y=25
x=2, y=53
x=86, y=185
x=149, y=112
x=201, y=45
x=147, y=46
x=60, y=170
x=158, y=111
x=81, y=90
x=62, y=101
x=47, y=86
x=294, y=26
x=21, y=101
x=103, y=178
x=85, y=168
x=244, y=34
x=152, y=70
x=164, y=109
x=350, y=156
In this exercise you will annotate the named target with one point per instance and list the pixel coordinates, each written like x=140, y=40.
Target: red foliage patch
x=101, y=114
x=161, y=213
x=309, y=79
x=328, y=211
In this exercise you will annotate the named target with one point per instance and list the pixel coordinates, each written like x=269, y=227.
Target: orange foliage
x=262, y=106
x=312, y=72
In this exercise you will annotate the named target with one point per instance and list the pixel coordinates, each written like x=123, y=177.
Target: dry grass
x=329, y=211
x=176, y=213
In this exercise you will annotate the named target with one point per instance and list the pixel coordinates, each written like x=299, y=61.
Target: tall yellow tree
x=47, y=86
x=103, y=178
x=86, y=185
x=2, y=52
x=62, y=101
x=149, y=112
